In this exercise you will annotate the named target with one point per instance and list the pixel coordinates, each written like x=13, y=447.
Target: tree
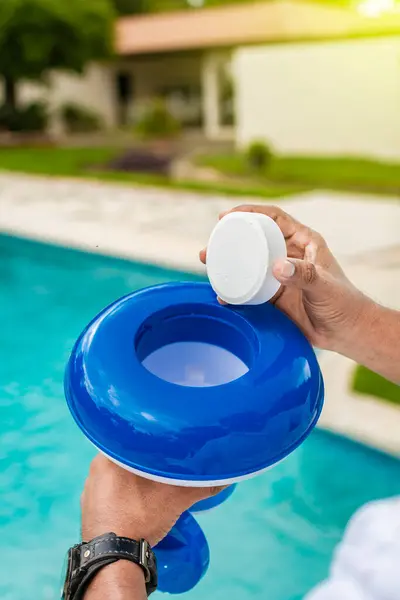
x=37, y=36
x=134, y=7
x=131, y=7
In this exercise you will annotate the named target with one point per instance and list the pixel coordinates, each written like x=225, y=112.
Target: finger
x=311, y=250
x=297, y=273
x=203, y=255
x=305, y=244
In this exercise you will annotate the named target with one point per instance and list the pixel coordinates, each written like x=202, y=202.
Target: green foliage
x=157, y=122
x=79, y=119
x=134, y=7
x=31, y=118
x=258, y=156
x=39, y=35
x=371, y=384
x=131, y=7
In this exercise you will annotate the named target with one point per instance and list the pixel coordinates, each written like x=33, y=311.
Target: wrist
x=120, y=581
x=146, y=524
x=351, y=337
x=149, y=531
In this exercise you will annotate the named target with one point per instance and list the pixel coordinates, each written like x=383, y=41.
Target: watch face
x=66, y=575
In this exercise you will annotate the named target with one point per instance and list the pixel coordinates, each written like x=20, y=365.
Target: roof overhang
x=235, y=25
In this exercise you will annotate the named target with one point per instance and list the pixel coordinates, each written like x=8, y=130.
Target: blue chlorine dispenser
x=174, y=386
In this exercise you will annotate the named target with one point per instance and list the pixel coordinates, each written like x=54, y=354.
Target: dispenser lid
x=240, y=254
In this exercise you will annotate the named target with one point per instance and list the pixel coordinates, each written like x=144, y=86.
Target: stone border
x=368, y=420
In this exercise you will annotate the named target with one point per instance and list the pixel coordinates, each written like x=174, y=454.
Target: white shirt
x=366, y=564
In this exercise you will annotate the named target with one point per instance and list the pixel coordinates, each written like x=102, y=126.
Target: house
x=303, y=76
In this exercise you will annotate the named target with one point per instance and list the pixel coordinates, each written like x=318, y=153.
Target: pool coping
x=140, y=253
x=366, y=419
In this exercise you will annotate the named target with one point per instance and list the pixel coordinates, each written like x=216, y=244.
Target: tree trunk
x=10, y=92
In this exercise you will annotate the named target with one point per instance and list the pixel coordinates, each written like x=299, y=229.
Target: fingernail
x=287, y=269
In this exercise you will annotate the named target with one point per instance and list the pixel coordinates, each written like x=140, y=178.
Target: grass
x=335, y=173
x=86, y=163
x=371, y=384
x=285, y=175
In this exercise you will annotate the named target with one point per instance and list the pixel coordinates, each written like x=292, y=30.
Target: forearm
x=374, y=341
x=122, y=580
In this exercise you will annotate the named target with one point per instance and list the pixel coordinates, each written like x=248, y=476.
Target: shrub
x=371, y=384
x=259, y=156
x=142, y=161
x=79, y=119
x=7, y=117
x=157, y=122
x=31, y=118
x=35, y=117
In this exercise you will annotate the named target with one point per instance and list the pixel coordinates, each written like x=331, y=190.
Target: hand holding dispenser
x=174, y=387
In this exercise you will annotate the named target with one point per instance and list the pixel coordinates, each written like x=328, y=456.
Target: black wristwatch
x=84, y=560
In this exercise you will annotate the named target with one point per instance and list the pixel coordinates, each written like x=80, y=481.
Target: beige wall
x=328, y=98
x=94, y=89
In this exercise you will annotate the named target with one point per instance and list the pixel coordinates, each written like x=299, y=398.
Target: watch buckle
x=144, y=559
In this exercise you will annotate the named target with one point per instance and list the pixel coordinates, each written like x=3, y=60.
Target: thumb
x=297, y=273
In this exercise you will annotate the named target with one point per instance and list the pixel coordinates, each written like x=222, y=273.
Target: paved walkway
x=360, y=417
x=170, y=227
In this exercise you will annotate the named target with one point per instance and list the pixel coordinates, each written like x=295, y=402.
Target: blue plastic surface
x=196, y=434
x=182, y=557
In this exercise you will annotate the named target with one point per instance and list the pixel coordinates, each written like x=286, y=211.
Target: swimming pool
x=286, y=522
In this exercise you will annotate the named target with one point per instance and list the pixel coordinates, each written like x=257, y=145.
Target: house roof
x=228, y=26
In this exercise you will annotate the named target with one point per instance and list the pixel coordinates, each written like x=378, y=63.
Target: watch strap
x=89, y=576
x=110, y=548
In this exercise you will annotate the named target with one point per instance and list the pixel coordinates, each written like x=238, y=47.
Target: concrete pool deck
x=169, y=228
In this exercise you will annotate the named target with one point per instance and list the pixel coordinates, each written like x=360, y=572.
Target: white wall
x=94, y=90
x=326, y=98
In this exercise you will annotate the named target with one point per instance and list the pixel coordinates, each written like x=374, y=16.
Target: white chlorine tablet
x=240, y=254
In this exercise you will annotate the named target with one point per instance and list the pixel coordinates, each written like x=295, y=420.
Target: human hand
x=130, y=506
x=315, y=292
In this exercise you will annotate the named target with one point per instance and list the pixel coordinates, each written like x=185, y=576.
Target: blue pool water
x=272, y=540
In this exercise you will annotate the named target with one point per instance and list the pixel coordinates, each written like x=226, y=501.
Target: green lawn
x=336, y=173
x=285, y=176
x=371, y=384
x=87, y=163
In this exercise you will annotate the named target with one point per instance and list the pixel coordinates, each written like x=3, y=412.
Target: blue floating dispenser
x=175, y=387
